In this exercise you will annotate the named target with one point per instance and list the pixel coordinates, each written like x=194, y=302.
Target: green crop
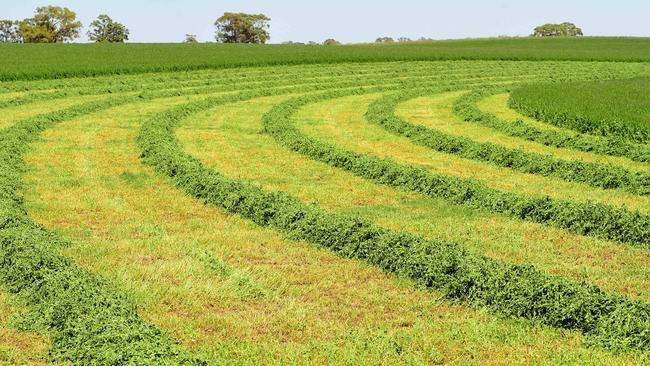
x=70, y=60
x=92, y=322
x=617, y=109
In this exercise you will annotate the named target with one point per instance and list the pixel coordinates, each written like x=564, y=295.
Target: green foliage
x=331, y=42
x=9, y=32
x=465, y=107
x=35, y=61
x=617, y=109
x=50, y=24
x=384, y=40
x=608, y=320
x=105, y=29
x=190, y=38
x=382, y=112
x=565, y=29
x=242, y=28
x=88, y=320
x=592, y=219
x=113, y=333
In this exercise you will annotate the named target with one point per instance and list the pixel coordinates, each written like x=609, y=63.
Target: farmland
x=324, y=206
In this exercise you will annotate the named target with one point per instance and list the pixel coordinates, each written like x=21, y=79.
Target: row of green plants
x=617, y=109
x=234, y=76
x=466, y=108
x=32, y=61
x=519, y=291
x=229, y=85
x=592, y=219
x=382, y=112
x=88, y=320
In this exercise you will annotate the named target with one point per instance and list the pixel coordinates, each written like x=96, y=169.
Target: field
x=354, y=211
x=618, y=109
x=31, y=61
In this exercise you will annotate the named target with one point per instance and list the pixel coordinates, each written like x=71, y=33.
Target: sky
x=358, y=21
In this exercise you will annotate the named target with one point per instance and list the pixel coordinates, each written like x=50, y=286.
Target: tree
x=9, y=32
x=384, y=40
x=50, y=24
x=404, y=40
x=242, y=28
x=105, y=29
x=190, y=38
x=331, y=42
x=565, y=29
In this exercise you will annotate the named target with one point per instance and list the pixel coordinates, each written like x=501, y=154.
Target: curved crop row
x=592, y=219
x=512, y=290
x=85, y=316
x=88, y=320
x=465, y=107
x=231, y=86
x=382, y=112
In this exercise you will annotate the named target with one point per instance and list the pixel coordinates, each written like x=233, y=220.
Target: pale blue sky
x=356, y=21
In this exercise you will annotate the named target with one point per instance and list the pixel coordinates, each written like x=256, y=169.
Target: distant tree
x=105, y=29
x=292, y=42
x=331, y=42
x=565, y=29
x=50, y=24
x=312, y=43
x=384, y=40
x=242, y=28
x=190, y=38
x=425, y=39
x=404, y=39
x=9, y=32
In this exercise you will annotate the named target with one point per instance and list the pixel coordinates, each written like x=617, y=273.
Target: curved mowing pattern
x=465, y=107
x=90, y=320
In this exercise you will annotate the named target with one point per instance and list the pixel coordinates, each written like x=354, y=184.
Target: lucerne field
x=470, y=202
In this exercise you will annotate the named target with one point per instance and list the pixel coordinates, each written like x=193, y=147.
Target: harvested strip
x=88, y=321
x=518, y=291
x=16, y=346
x=497, y=105
x=228, y=139
x=465, y=107
x=382, y=112
x=238, y=293
x=582, y=218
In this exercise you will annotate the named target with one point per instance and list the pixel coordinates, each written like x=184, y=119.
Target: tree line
x=54, y=24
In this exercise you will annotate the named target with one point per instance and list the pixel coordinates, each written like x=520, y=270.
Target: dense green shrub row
x=587, y=218
x=608, y=320
x=617, y=109
x=465, y=107
x=90, y=323
x=382, y=112
x=34, y=61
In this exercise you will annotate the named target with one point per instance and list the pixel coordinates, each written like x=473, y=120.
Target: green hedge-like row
x=89, y=322
x=465, y=107
x=382, y=112
x=587, y=218
x=610, y=321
